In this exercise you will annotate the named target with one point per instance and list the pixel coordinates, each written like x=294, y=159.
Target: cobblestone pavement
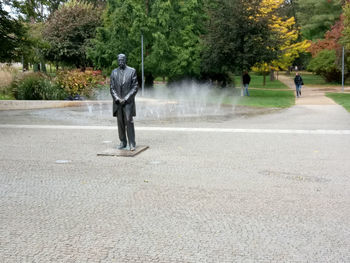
x=191, y=197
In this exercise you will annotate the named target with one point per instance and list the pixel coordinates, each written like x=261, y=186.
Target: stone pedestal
x=123, y=153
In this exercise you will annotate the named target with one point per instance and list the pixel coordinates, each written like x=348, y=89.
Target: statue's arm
x=134, y=86
x=113, y=92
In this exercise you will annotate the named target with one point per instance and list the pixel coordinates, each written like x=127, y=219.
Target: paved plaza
x=241, y=186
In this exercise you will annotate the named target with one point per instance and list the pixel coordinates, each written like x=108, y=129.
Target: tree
x=171, y=31
x=176, y=47
x=237, y=42
x=34, y=10
x=289, y=9
x=33, y=52
x=331, y=39
x=289, y=46
x=324, y=64
x=327, y=52
x=120, y=33
x=316, y=16
x=345, y=33
x=32, y=14
x=11, y=37
x=69, y=31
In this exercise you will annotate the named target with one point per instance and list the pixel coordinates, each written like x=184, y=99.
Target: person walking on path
x=246, y=81
x=298, y=83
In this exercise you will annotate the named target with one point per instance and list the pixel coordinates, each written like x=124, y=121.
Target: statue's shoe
x=132, y=148
x=121, y=146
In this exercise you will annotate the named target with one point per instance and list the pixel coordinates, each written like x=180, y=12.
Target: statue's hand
x=122, y=101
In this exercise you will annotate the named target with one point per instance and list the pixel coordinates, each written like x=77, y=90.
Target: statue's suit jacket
x=124, y=87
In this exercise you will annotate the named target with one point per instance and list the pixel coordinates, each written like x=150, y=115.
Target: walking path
x=239, y=186
x=312, y=95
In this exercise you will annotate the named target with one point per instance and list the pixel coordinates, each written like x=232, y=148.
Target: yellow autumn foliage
x=288, y=33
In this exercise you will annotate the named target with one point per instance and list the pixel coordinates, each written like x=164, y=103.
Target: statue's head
x=122, y=61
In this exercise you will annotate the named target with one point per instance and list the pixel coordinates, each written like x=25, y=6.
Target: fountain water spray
x=181, y=100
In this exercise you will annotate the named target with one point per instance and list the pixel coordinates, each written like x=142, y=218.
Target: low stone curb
x=42, y=104
x=46, y=104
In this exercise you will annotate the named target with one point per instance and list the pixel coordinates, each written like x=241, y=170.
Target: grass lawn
x=262, y=96
x=6, y=97
x=160, y=79
x=259, y=97
x=313, y=79
x=267, y=98
x=340, y=98
x=257, y=82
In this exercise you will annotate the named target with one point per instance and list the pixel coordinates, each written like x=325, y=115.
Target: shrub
x=7, y=74
x=76, y=82
x=324, y=64
x=36, y=86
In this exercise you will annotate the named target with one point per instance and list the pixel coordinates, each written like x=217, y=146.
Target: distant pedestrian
x=298, y=83
x=246, y=81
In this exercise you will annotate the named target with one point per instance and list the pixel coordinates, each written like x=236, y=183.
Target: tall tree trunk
x=292, y=2
x=22, y=63
x=36, y=67
x=147, y=6
x=25, y=64
x=288, y=71
x=43, y=66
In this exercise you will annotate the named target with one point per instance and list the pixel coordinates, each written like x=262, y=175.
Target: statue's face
x=122, y=62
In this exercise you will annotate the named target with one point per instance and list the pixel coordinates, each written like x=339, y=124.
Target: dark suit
x=124, y=86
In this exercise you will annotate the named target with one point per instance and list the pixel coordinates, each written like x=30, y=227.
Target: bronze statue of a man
x=123, y=90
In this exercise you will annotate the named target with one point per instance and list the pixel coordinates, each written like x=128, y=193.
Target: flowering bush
x=76, y=82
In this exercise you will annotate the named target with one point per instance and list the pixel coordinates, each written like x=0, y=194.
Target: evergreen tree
x=317, y=16
x=171, y=31
x=239, y=36
x=11, y=37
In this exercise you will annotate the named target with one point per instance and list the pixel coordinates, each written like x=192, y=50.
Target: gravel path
x=311, y=95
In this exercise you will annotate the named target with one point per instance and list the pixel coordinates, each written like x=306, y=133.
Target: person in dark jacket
x=298, y=83
x=123, y=90
x=246, y=81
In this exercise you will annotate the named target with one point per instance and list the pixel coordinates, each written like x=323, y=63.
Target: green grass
x=268, y=98
x=313, y=79
x=6, y=97
x=257, y=82
x=340, y=98
x=264, y=98
x=160, y=79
